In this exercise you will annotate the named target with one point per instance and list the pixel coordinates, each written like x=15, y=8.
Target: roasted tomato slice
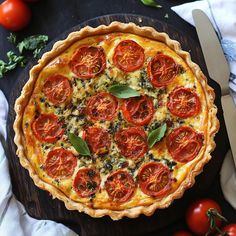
x=184, y=102
x=132, y=142
x=162, y=69
x=102, y=106
x=128, y=56
x=98, y=140
x=154, y=179
x=60, y=163
x=184, y=143
x=138, y=110
x=57, y=88
x=88, y=61
x=47, y=128
x=87, y=182
x=120, y=186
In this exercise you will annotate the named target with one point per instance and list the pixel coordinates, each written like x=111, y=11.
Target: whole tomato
x=14, y=15
x=182, y=233
x=229, y=229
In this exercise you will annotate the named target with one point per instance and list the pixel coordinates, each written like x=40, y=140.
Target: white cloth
x=13, y=218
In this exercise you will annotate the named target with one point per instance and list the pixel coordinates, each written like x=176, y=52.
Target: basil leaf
x=156, y=135
x=151, y=3
x=123, y=91
x=79, y=144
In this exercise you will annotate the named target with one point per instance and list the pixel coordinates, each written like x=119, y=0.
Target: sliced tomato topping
x=98, y=140
x=138, y=110
x=154, y=179
x=184, y=102
x=87, y=182
x=120, y=186
x=102, y=106
x=132, y=142
x=162, y=69
x=88, y=61
x=47, y=128
x=57, y=88
x=60, y=163
x=184, y=143
x=128, y=56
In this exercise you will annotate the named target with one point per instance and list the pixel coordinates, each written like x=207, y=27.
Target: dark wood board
x=39, y=203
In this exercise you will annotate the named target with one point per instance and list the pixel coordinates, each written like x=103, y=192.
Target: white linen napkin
x=223, y=16
x=13, y=218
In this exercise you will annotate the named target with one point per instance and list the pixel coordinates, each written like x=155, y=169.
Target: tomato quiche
x=115, y=120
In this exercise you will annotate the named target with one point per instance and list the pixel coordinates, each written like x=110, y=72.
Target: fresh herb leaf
x=12, y=38
x=79, y=144
x=156, y=135
x=123, y=91
x=151, y=3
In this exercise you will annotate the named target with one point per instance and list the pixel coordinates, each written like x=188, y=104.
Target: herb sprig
x=151, y=3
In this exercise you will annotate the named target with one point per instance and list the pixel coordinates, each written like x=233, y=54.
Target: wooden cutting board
x=39, y=203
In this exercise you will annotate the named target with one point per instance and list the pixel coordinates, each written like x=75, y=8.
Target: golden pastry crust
x=211, y=127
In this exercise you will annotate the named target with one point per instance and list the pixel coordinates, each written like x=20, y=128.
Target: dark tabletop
x=53, y=17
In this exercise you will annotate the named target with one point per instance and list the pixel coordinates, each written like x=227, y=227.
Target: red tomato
x=87, y=182
x=14, y=15
x=184, y=102
x=138, y=110
x=120, y=186
x=128, y=56
x=184, y=143
x=154, y=179
x=60, y=163
x=229, y=229
x=47, y=128
x=132, y=142
x=162, y=69
x=88, y=61
x=102, y=106
x=57, y=88
x=196, y=216
x=182, y=233
x=98, y=139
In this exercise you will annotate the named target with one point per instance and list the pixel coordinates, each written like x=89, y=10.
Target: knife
x=218, y=70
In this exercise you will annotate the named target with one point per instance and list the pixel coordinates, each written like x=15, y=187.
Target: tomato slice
x=47, y=128
x=60, y=163
x=87, y=182
x=128, y=56
x=102, y=107
x=184, y=102
x=57, y=88
x=120, y=186
x=132, y=142
x=162, y=69
x=98, y=140
x=88, y=61
x=138, y=110
x=184, y=143
x=154, y=179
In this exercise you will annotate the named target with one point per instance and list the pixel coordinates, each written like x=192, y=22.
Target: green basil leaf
x=156, y=135
x=122, y=91
x=151, y=3
x=79, y=144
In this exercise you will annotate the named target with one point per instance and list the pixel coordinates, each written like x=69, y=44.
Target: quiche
x=115, y=120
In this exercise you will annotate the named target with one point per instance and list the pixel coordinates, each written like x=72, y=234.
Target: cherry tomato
x=47, y=128
x=88, y=61
x=162, y=69
x=182, y=233
x=132, y=142
x=14, y=15
x=184, y=143
x=57, y=88
x=60, y=163
x=87, y=182
x=102, y=106
x=184, y=102
x=128, y=56
x=120, y=186
x=154, y=179
x=196, y=216
x=138, y=110
x=229, y=229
